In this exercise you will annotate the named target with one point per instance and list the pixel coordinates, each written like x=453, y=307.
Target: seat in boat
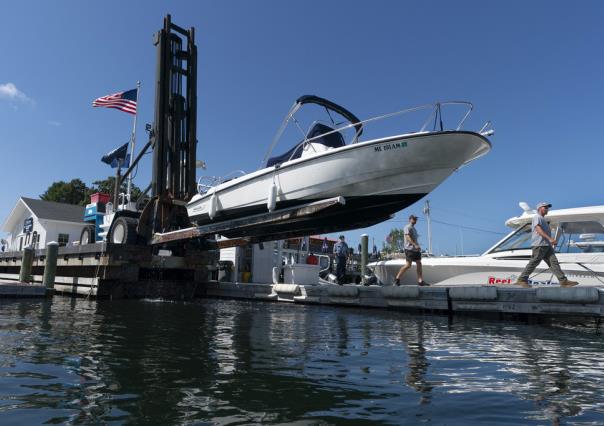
x=333, y=140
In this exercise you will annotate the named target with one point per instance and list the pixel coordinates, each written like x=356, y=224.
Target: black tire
x=88, y=235
x=123, y=231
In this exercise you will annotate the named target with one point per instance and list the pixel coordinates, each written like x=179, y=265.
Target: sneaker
x=523, y=284
x=568, y=283
x=423, y=284
x=397, y=281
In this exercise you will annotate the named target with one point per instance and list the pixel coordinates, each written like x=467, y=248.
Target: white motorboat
x=376, y=177
x=580, y=251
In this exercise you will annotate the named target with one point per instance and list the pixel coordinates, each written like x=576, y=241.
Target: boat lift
x=164, y=221
x=280, y=224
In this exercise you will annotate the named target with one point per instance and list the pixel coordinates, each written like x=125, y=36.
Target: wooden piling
x=364, y=256
x=26, y=265
x=50, y=268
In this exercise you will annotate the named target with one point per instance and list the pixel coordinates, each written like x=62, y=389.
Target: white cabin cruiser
x=580, y=251
x=376, y=177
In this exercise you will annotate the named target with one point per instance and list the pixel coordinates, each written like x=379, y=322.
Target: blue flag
x=123, y=163
x=119, y=157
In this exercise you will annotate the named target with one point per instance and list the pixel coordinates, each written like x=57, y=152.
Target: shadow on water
x=227, y=362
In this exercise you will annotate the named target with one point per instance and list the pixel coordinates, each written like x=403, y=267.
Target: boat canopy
x=312, y=99
x=332, y=140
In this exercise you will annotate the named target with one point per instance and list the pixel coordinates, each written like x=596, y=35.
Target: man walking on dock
x=413, y=252
x=340, y=250
x=543, y=245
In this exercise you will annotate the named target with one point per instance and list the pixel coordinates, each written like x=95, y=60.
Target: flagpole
x=133, y=142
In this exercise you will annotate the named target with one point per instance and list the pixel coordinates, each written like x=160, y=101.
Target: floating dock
x=544, y=301
x=121, y=271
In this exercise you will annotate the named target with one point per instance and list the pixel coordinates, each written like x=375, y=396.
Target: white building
x=37, y=222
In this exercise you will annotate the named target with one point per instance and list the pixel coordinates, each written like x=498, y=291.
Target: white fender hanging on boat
x=271, y=202
x=213, y=206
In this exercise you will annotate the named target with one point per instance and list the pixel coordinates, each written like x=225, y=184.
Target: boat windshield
x=572, y=237
x=518, y=240
x=581, y=237
x=320, y=134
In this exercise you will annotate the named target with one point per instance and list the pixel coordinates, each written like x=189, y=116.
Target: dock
x=543, y=301
x=115, y=271
x=111, y=271
x=15, y=289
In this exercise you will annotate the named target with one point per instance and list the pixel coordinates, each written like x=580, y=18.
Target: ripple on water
x=230, y=362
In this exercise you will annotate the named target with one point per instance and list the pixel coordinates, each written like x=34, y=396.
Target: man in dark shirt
x=340, y=250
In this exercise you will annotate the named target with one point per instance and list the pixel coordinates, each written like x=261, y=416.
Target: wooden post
x=26, y=264
x=364, y=255
x=50, y=270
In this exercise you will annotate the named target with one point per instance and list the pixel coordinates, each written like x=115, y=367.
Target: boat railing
x=205, y=183
x=435, y=116
x=433, y=120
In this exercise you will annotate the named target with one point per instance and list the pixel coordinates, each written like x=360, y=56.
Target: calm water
x=228, y=362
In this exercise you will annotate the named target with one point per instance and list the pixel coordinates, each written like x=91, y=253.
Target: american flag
x=124, y=101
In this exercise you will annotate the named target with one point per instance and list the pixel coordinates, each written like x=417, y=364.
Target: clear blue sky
x=534, y=68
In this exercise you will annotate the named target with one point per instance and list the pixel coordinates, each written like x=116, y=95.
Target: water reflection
x=75, y=361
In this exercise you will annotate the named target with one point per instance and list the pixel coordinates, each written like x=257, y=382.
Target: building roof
x=55, y=211
x=46, y=210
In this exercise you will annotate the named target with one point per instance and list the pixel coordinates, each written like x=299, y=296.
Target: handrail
x=436, y=111
x=213, y=181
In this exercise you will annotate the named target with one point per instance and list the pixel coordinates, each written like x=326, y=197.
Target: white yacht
x=580, y=251
x=375, y=177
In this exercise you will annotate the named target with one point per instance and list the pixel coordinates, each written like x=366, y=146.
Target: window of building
x=63, y=240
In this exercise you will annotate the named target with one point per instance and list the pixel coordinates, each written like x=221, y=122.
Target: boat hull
x=587, y=269
x=377, y=179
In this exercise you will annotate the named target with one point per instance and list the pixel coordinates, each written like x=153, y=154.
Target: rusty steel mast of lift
x=173, y=135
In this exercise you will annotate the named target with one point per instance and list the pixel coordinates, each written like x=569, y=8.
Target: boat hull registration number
x=389, y=146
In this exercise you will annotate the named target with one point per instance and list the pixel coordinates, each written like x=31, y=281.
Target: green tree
x=395, y=242
x=72, y=192
x=107, y=186
x=77, y=192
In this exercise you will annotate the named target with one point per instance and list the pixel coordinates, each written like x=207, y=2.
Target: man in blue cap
x=543, y=245
x=340, y=250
